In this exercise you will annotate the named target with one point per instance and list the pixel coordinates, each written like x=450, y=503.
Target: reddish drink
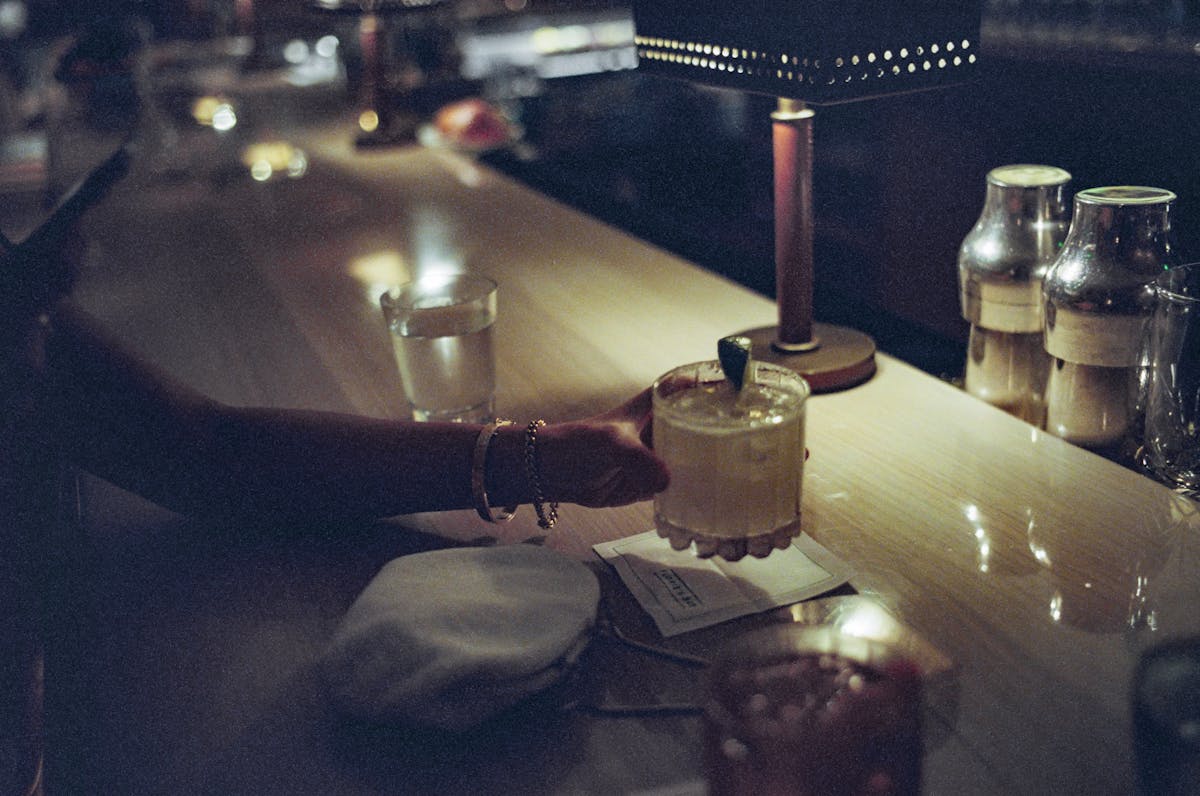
x=813, y=716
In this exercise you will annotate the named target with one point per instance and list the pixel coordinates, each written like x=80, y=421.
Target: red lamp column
x=829, y=357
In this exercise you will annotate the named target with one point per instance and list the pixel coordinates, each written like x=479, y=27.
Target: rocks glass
x=812, y=710
x=736, y=459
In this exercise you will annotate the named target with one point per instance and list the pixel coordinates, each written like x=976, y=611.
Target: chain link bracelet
x=547, y=514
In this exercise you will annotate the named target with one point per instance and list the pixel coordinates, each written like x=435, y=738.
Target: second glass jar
x=1098, y=299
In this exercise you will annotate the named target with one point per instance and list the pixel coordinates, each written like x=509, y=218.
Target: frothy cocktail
x=736, y=458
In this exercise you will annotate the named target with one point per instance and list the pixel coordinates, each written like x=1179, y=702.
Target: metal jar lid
x=1028, y=175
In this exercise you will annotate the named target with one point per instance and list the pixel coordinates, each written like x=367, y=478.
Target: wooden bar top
x=1039, y=569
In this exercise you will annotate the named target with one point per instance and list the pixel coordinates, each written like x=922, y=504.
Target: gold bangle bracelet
x=479, y=475
x=547, y=514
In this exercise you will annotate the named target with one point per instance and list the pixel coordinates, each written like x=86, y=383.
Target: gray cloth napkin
x=449, y=638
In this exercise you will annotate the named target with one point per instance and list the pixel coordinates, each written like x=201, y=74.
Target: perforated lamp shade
x=818, y=52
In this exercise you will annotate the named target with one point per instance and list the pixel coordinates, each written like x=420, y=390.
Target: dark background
x=1106, y=89
x=1108, y=92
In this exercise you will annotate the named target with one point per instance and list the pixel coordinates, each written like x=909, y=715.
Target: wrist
x=504, y=467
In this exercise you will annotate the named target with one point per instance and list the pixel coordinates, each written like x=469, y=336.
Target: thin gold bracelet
x=479, y=475
x=547, y=514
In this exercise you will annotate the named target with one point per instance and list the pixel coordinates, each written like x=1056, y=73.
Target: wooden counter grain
x=1038, y=568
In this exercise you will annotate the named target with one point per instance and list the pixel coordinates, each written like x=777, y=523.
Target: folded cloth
x=449, y=638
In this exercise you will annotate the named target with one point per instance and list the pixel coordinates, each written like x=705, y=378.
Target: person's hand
x=604, y=460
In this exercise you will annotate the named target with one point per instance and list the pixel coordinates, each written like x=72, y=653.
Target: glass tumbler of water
x=1171, y=449
x=441, y=329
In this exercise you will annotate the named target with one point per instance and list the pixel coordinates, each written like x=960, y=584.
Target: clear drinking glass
x=441, y=329
x=812, y=710
x=1171, y=449
x=736, y=458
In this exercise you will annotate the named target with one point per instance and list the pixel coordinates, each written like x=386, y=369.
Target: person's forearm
x=297, y=463
x=111, y=414
x=125, y=422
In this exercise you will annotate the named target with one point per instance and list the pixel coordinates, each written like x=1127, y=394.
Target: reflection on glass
x=1106, y=591
x=863, y=617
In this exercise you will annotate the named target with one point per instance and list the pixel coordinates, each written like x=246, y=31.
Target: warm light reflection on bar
x=270, y=159
x=378, y=271
x=870, y=621
x=1040, y=554
x=982, y=542
x=214, y=112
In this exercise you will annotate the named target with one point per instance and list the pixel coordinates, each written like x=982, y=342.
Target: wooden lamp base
x=841, y=358
x=828, y=357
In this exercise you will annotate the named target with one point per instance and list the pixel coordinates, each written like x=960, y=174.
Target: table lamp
x=808, y=52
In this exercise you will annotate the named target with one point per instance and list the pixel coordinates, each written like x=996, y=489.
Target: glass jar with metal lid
x=1098, y=299
x=1001, y=264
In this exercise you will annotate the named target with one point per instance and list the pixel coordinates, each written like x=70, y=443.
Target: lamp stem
x=793, y=147
x=828, y=357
